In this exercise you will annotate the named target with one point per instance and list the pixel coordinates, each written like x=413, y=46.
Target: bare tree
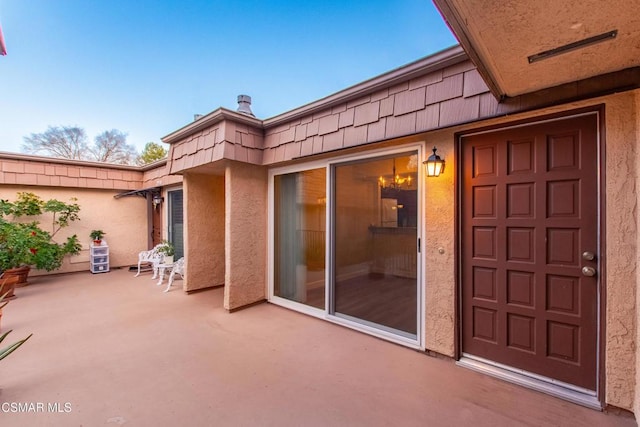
x=65, y=141
x=71, y=143
x=111, y=147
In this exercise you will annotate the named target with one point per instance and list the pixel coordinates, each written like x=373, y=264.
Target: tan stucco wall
x=203, y=231
x=124, y=220
x=621, y=253
x=245, y=234
x=636, y=405
x=439, y=226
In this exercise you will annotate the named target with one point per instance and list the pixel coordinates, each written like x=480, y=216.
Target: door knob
x=588, y=271
x=589, y=256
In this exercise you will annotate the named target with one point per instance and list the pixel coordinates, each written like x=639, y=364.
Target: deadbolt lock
x=589, y=256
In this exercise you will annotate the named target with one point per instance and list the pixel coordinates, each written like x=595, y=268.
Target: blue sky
x=146, y=67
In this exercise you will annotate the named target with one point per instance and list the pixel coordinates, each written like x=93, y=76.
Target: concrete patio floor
x=111, y=349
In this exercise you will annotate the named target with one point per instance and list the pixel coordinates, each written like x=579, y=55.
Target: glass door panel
x=176, y=222
x=375, y=215
x=299, y=237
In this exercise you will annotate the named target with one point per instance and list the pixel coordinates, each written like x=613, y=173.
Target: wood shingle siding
x=19, y=169
x=442, y=90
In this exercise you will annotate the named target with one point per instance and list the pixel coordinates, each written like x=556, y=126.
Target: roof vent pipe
x=197, y=117
x=244, y=105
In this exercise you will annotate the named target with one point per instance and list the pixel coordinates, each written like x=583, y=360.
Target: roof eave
x=56, y=160
x=457, y=27
x=437, y=61
x=209, y=120
x=431, y=63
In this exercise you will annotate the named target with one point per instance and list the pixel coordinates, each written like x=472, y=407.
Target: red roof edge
x=3, y=47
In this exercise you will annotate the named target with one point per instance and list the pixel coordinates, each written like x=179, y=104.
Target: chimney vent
x=197, y=117
x=244, y=105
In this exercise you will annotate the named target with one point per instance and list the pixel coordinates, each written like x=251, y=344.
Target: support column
x=245, y=234
x=203, y=231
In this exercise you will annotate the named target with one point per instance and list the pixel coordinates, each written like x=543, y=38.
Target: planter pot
x=168, y=259
x=8, y=283
x=21, y=273
x=97, y=242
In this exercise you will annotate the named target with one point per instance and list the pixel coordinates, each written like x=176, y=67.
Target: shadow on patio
x=119, y=351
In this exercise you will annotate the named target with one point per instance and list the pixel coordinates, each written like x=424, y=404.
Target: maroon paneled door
x=529, y=228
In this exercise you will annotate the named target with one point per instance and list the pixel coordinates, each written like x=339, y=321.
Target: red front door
x=529, y=214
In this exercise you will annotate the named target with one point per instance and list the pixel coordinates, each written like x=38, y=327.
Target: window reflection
x=375, y=251
x=299, y=237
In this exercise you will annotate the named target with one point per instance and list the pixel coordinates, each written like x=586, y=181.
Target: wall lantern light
x=157, y=200
x=435, y=165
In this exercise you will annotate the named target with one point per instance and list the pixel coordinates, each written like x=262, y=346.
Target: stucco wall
x=621, y=253
x=245, y=234
x=124, y=220
x=636, y=406
x=204, y=231
x=439, y=226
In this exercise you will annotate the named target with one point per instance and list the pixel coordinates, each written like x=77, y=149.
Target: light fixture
x=157, y=200
x=435, y=165
x=396, y=180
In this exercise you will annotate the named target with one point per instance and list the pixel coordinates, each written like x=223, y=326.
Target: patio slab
x=110, y=349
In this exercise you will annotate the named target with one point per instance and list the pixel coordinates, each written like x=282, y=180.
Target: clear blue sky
x=146, y=67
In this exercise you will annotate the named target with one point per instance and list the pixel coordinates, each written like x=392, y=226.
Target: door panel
x=375, y=243
x=176, y=222
x=529, y=210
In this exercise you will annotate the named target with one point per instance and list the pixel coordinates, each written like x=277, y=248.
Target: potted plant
x=24, y=244
x=7, y=287
x=96, y=236
x=168, y=250
x=4, y=352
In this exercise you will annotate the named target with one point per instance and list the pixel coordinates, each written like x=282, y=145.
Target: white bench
x=151, y=256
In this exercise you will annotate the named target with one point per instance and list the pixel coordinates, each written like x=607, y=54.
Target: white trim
x=362, y=326
x=299, y=307
x=547, y=385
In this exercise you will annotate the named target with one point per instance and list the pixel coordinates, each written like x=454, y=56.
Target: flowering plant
x=26, y=243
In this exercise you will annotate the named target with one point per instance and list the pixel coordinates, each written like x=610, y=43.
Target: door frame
x=169, y=216
x=328, y=164
x=513, y=374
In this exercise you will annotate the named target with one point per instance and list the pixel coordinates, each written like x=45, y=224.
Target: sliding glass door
x=345, y=242
x=176, y=222
x=375, y=216
x=299, y=237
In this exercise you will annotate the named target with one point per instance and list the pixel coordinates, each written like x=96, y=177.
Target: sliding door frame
x=326, y=314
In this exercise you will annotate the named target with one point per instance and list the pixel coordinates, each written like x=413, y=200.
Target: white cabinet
x=99, y=257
